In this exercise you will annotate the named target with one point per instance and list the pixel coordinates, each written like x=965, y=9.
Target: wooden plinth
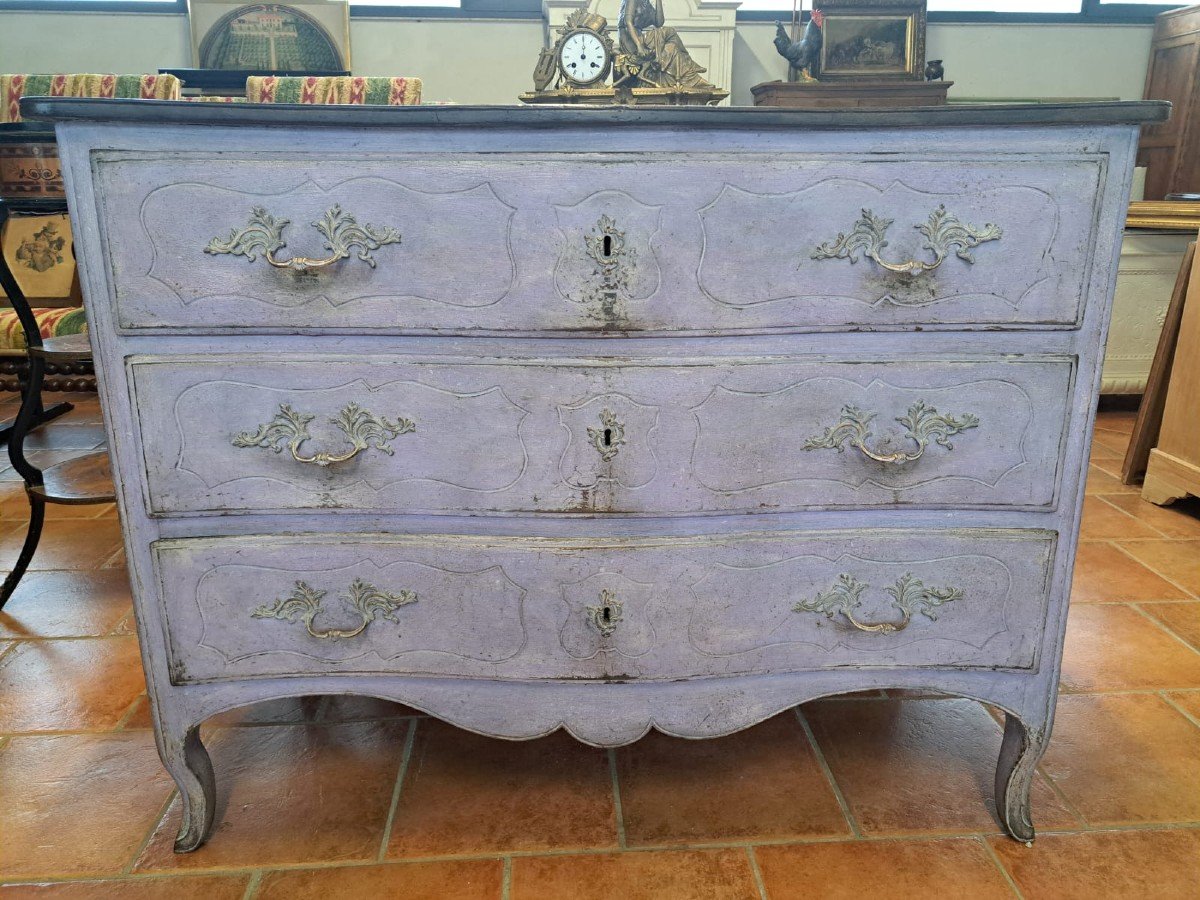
x=849, y=94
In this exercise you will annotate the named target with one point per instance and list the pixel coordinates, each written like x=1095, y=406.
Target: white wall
x=491, y=61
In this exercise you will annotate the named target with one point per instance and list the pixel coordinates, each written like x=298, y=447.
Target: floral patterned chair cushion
x=344, y=89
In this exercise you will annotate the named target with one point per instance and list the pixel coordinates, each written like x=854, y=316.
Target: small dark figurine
x=934, y=70
x=804, y=55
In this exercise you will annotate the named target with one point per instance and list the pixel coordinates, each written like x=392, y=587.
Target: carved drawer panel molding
x=663, y=243
x=654, y=438
x=515, y=608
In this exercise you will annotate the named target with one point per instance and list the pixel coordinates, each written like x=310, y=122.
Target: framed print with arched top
x=271, y=37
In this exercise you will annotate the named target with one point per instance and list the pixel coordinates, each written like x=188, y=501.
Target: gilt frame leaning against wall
x=302, y=36
x=872, y=39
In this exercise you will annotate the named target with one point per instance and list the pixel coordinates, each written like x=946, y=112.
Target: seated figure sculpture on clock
x=651, y=51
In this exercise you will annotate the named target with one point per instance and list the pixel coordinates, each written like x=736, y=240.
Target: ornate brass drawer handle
x=922, y=424
x=607, y=614
x=908, y=594
x=367, y=601
x=943, y=233
x=264, y=234
x=362, y=429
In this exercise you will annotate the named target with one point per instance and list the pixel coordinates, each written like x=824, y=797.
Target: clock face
x=584, y=57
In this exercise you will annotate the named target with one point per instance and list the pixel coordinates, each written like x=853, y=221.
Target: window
x=761, y=10
x=974, y=6
x=1006, y=6
x=455, y=4
x=996, y=10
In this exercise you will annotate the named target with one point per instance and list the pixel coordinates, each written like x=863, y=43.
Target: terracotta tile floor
x=872, y=796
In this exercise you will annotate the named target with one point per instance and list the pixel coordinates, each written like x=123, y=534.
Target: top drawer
x=662, y=243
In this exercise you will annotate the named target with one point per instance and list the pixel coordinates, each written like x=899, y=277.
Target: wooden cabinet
x=1170, y=150
x=753, y=407
x=1173, y=471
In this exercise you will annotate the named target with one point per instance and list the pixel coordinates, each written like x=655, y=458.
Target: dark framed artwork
x=872, y=39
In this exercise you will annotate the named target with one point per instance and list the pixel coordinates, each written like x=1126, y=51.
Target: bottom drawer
x=612, y=608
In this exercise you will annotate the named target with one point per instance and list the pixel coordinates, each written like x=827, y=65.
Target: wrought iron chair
x=83, y=480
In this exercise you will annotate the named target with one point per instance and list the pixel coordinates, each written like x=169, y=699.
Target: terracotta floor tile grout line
x=1118, y=692
x=252, y=885
x=1109, y=503
x=405, y=756
x=592, y=851
x=607, y=850
x=1179, y=709
x=506, y=879
x=757, y=873
x=1133, y=540
x=128, y=714
x=1151, y=568
x=1009, y=880
x=1121, y=692
x=1131, y=517
x=828, y=772
x=1163, y=626
x=1084, y=824
x=1131, y=602
x=618, y=809
x=71, y=637
x=127, y=869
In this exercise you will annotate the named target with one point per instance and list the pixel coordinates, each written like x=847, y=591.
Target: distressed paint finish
x=708, y=243
x=513, y=608
x=545, y=654
x=519, y=435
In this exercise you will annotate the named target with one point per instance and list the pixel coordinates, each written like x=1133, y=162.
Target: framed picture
x=38, y=250
x=305, y=36
x=872, y=39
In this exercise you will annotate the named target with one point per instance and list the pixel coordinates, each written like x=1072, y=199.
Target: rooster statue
x=804, y=55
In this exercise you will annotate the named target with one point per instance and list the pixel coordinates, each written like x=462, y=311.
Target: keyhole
x=607, y=245
x=607, y=437
x=606, y=614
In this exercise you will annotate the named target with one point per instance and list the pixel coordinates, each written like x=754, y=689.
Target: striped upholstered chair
x=28, y=170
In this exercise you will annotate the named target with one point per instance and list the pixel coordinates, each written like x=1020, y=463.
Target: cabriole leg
x=189, y=765
x=1023, y=746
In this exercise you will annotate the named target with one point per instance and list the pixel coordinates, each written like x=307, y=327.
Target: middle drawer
x=653, y=437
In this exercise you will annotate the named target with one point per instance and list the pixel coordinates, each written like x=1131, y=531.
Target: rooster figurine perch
x=803, y=55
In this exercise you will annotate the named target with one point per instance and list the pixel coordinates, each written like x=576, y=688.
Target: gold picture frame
x=872, y=39
x=1172, y=215
x=302, y=36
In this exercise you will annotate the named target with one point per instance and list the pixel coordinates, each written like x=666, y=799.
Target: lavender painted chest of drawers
x=597, y=419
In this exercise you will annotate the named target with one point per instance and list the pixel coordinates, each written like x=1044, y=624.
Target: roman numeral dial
x=583, y=57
